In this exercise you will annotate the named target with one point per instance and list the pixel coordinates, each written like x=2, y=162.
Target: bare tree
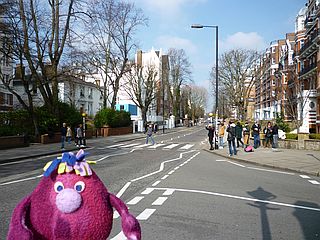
x=44, y=27
x=110, y=42
x=141, y=87
x=180, y=73
x=237, y=76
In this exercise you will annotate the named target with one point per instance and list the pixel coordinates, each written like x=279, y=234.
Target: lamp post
x=217, y=67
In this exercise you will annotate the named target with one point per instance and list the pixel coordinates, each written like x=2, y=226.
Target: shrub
x=314, y=136
x=113, y=118
x=292, y=136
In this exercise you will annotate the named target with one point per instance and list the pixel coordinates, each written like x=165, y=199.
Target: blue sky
x=242, y=23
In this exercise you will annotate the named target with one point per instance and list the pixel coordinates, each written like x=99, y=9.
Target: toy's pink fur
x=37, y=216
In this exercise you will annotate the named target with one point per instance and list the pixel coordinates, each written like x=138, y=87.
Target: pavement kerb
x=264, y=165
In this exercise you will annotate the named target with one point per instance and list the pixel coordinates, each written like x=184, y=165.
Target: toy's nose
x=68, y=200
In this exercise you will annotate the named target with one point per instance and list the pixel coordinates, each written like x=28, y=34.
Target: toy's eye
x=58, y=187
x=79, y=186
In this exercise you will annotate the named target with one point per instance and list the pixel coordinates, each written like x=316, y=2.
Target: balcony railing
x=307, y=69
x=310, y=42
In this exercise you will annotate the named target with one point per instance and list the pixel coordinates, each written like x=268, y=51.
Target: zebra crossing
x=163, y=146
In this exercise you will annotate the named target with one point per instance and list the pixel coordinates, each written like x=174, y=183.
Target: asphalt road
x=185, y=192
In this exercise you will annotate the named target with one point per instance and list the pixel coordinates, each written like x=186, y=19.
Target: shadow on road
x=309, y=220
x=264, y=195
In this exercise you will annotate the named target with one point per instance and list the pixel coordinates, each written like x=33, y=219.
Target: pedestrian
x=63, y=134
x=69, y=134
x=210, y=129
x=79, y=135
x=268, y=134
x=275, y=136
x=256, y=128
x=231, y=138
x=246, y=134
x=239, y=130
x=149, y=132
x=222, y=130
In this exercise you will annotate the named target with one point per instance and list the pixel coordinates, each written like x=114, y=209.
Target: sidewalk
x=299, y=161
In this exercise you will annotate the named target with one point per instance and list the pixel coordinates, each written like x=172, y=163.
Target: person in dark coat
x=231, y=130
x=275, y=136
x=268, y=134
x=256, y=128
x=239, y=134
x=210, y=135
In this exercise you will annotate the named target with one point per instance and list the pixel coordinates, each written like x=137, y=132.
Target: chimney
x=19, y=71
x=139, y=57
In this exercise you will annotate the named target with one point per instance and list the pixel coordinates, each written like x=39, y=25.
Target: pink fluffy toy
x=70, y=202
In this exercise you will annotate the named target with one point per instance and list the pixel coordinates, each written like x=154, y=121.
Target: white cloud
x=166, y=42
x=243, y=40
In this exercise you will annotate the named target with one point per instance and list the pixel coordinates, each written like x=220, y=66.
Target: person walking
x=231, y=130
x=149, y=132
x=210, y=135
x=79, y=136
x=63, y=134
x=268, y=134
x=239, y=134
x=246, y=134
x=256, y=128
x=275, y=136
x=222, y=129
x=69, y=134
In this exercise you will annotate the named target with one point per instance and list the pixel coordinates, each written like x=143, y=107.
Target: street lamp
x=217, y=66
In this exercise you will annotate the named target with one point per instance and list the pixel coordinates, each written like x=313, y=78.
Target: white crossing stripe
x=135, y=200
x=115, y=214
x=120, y=236
x=116, y=145
x=159, y=201
x=147, y=191
x=186, y=147
x=156, y=145
x=304, y=176
x=142, y=145
x=130, y=145
x=168, y=192
x=156, y=183
x=171, y=146
x=146, y=214
x=314, y=182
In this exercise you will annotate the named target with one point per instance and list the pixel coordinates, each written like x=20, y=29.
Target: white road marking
x=305, y=176
x=115, y=145
x=159, y=201
x=168, y=192
x=164, y=177
x=21, y=180
x=273, y=171
x=171, y=172
x=142, y=145
x=176, y=168
x=186, y=147
x=135, y=200
x=314, y=182
x=156, y=145
x=130, y=145
x=237, y=164
x=171, y=146
x=239, y=197
x=156, y=183
x=147, y=191
x=115, y=215
x=120, y=236
x=146, y=214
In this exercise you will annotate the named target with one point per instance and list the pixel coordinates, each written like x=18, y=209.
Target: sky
x=248, y=24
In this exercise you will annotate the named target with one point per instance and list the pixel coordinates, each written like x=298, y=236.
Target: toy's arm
x=130, y=225
x=18, y=229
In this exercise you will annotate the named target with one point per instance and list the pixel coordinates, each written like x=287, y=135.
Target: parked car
x=281, y=134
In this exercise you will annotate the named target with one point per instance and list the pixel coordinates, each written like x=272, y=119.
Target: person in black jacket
x=231, y=130
x=210, y=135
x=275, y=136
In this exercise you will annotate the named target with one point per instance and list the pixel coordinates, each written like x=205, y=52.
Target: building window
x=90, y=93
x=121, y=107
x=82, y=92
